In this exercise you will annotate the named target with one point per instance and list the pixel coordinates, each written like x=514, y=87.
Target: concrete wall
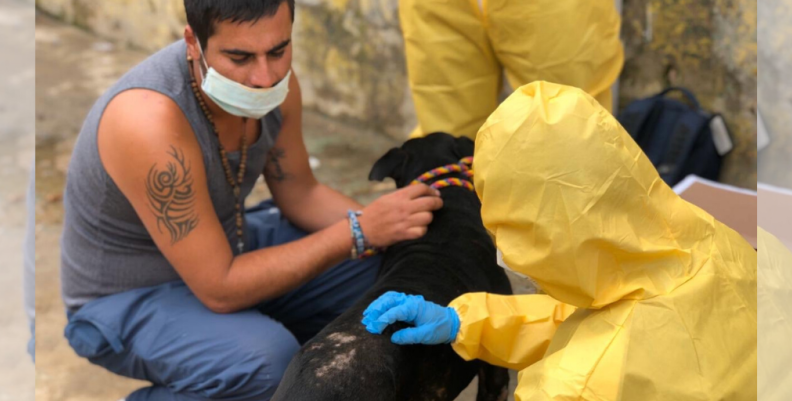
x=148, y=24
x=348, y=53
x=349, y=56
x=708, y=46
x=351, y=62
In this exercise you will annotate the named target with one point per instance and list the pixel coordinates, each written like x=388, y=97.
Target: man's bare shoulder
x=142, y=128
x=143, y=115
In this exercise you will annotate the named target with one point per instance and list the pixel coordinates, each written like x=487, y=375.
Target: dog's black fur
x=344, y=362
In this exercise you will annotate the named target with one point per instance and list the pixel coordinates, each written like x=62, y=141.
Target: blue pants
x=165, y=335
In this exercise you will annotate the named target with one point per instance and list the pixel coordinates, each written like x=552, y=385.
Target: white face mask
x=241, y=100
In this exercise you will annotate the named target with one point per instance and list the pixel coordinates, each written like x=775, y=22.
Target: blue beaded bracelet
x=359, y=249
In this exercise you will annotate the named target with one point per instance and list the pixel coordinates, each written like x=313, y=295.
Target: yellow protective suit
x=457, y=52
x=665, y=294
x=775, y=319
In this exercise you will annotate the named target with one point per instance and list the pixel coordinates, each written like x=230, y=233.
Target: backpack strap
x=635, y=118
x=688, y=95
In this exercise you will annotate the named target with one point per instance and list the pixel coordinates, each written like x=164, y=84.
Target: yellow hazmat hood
x=666, y=294
x=561, y=214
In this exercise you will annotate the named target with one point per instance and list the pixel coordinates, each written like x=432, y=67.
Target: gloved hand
x=434, y=324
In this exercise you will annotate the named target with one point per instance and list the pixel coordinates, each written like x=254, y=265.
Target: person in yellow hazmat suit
x=458, y=50
x=648, y=297
x=775, y=318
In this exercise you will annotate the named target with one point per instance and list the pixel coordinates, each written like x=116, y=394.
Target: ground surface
x=17, y=77
x=73, y=69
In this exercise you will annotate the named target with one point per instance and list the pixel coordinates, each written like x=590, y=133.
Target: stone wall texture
x=707, y=46
x=350, y=59
x=348, y=53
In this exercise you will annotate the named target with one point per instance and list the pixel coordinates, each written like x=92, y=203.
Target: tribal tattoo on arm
x=274, y=169
x=172, y=197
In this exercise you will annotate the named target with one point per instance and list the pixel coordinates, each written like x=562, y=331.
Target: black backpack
x=677, y=137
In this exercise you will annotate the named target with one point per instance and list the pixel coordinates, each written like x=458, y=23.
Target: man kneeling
x=165, y=277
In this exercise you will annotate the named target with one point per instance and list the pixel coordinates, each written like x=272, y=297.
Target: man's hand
x=399, y=216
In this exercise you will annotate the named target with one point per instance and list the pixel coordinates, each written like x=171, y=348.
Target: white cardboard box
x=736, y=207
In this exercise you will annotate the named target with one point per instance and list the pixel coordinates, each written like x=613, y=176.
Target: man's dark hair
x=202, y=15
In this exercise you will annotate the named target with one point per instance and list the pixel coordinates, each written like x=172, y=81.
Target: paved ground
x=73, y=69
x=17, y=77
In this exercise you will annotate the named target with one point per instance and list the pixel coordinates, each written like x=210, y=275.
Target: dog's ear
x=390, y=165
x=463, y=147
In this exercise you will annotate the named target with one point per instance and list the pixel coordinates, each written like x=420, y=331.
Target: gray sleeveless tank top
x=106, y=249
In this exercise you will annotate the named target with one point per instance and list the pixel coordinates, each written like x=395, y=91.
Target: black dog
x=344, y=362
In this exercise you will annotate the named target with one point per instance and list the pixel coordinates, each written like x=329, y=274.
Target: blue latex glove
x=434, y=324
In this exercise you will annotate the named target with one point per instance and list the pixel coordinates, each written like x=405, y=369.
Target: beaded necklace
x=236, y=185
